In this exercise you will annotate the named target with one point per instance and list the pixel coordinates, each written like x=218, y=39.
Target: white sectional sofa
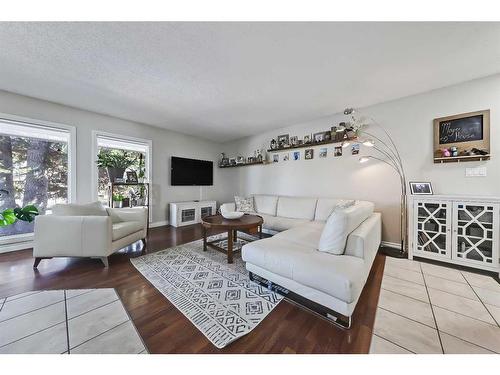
x=291, y=263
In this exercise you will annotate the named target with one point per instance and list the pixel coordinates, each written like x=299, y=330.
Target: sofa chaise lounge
x=290, y=262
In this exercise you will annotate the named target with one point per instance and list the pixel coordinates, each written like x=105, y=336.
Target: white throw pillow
x=334, y=236
x=244, y=204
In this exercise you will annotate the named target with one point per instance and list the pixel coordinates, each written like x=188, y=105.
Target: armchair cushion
x=126, y=228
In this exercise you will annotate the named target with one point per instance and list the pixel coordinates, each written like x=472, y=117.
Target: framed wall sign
x=462, y=137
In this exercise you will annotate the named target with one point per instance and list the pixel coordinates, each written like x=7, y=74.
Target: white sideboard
x=190, y=212
x=462, y=230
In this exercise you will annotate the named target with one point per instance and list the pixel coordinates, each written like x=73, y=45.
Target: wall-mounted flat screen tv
x=191, y=172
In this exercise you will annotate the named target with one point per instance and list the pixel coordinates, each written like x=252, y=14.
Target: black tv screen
x=191, y=172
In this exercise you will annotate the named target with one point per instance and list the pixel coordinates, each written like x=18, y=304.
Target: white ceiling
x=223, y=81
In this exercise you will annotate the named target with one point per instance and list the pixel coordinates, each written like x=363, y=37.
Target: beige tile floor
x=67, y=321
x=426, y=308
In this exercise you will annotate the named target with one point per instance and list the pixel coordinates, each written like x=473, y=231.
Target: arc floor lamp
x=388, y=153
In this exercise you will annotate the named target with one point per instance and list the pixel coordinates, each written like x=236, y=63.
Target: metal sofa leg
x=38, y=260
x=105, y=261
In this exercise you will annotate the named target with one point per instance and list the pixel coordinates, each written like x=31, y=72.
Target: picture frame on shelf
x=296, y=155
x=323, y=152
x=337, y=151
x=294, y=140
x=307, y=139
x=131, y=177
x=276, y=158
x=421, y=188
x=286, y=156
x=283, y=140
x=319, y=137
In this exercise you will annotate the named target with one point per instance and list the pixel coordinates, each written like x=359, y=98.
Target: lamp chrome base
x=393, y=252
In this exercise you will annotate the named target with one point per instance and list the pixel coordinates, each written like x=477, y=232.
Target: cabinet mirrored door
x=433, y=229
x=474, y=234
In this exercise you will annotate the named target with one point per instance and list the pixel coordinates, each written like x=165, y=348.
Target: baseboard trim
x=7, y=248
x=394, y=245
x=158, y=224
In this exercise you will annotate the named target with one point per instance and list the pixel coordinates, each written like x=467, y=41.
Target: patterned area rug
x=77, y=321
x=217, y=297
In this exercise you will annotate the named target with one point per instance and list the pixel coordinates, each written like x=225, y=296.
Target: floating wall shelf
x=242, y=164
x=312, y=144
x=458, y=159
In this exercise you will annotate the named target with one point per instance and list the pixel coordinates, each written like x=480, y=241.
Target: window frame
x=124, y=138
x=72, y=191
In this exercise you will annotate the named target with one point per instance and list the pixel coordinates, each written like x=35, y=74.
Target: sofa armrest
x=72, y=236
x=364, y=241
x=129, y=214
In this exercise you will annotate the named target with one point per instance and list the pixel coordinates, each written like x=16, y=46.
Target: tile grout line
x=95, y=308
x=28, y=295
x=432, y=310
x=31, y=334
x=132, y=321
x=3, y=303
x=411, y=319
x=402, y=347
x=404, y=295
x=100, y=334
x=29, y=312
x=66, y=320
x=480, y=300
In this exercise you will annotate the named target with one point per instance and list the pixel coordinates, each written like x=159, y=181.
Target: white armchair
x=87, y=231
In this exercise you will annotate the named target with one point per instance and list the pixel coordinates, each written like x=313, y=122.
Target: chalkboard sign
x=465, y=129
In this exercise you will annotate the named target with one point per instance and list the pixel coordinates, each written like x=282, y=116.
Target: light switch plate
x=475, y=172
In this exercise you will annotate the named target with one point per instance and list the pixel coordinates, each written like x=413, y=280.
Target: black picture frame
x=421, y=188
x=131, y=177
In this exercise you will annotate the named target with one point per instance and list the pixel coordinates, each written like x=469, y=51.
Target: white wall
x=165, y=144
x=409, y=120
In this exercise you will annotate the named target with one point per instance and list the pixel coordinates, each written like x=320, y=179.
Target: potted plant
x=115, y=162
x=10, y=215
x=117, y=200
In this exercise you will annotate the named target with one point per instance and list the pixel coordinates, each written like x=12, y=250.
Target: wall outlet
x=475, y=172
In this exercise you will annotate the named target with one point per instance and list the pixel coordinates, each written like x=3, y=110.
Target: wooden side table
x=231, y=226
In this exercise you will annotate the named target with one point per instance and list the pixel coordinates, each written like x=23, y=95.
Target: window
x=134, y=154
x=35, y=168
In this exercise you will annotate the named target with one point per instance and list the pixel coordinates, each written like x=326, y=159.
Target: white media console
x=190, y=212
x=458, y=229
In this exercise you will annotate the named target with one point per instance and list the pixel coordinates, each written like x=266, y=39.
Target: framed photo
x=307, y=138
x=286, y=156
x=283, y=140
x=309, y=154
x=296, y=155
x=294, y=140
x=276, y=158
x=323, y=152
x=337, y=151
x=421, y=188
x=319, y=137
x=131, y=177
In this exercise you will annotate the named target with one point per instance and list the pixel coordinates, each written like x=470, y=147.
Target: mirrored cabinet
x=460, y=230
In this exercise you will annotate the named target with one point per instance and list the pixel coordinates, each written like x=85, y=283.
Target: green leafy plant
x=114, y=159
x=118, y=197
x=10, y=215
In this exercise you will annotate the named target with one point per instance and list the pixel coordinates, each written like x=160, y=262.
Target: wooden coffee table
x=219, y=223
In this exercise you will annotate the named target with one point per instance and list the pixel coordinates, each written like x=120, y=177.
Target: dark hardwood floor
x=288, y=329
